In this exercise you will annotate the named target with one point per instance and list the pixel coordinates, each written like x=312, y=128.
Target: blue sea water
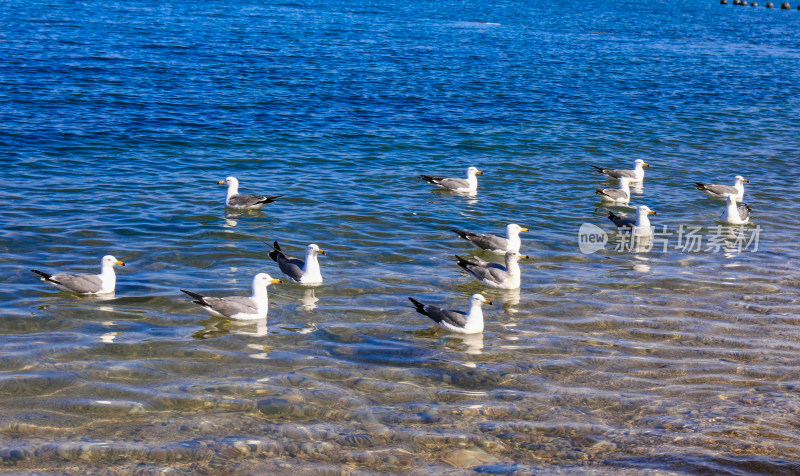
x=118, y=118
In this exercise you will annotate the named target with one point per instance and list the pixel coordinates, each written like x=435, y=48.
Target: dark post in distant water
x=723, y=2
x=770, y=5
x=754, y=4
x=785, y=6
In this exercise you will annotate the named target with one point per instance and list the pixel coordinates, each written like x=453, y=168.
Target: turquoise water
x=119, y=118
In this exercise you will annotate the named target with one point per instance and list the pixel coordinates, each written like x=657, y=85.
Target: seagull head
x=739, y=179
x=229, y=181
x=642, y=163
x=313, y=248
x=479, y=299
x=474, y=171
x=645, y=210
x=514, y=229
x=512, y=256
x=109, y=260
x=263, y=279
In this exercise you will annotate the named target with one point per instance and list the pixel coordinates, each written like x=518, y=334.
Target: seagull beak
x=746, y=181
x=646, y=164
x=652, y=212
x=276, y=281
x=221, y=182
x=322, y=252
x=524, y=229
x=525, y=256
x=488, y=302
x=479, y=172
x=120, y=263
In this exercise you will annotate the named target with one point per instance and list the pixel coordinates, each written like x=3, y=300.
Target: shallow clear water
x=118, y=119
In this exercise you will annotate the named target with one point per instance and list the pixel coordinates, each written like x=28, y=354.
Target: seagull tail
x=599, y=169
x=614, y=218
x=276, y=250
x=700, y=186
x=270, y=199
x=420, y=307
x=430, y=179
x=44, y=275
x=461, y=233
x=464, y=262
x=198, y=297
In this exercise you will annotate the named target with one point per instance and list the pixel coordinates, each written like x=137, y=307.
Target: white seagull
x=234, y=199
x=470, y=322
x=636, y=175
x=735, y=214
x=468, y=185
x=494, y=243
x=495, y=275
x=239, y=307
x=299, y=271
x=84, y=283
x=722, y=191
x=621, y=195
x=640, y=225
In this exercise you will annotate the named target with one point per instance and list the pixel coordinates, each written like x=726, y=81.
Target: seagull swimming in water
x=299, y=271
x=470, y=322
x=239, y=307
x=494, y=243
x=234, y=199
x=735, y=214
x=495, y=275
x=722, y=191
x=468, y=185
x=640, y=225
x=636, y=175
x=621, y=195
x=84, y=283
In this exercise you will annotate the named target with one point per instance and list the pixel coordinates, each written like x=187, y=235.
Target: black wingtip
x=276, y=250
x=270, y=199
x=420, y=307
x=463, y=262
x=598, y=169
x=430, y=178
x=461, y=233
x=198, y=297
x=700, y=186
x=42, y=274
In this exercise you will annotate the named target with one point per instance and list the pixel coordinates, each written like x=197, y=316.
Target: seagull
x=235, y=199
x=470, y=322
x=735, y=215
x=494, y=243
x=239, y=307
x=299, y=271
x=722, y=191
x=495, y=275
x=636, y=175
x=85, y=283
x=639, y=226
x=621, y=195
x=468, y=185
